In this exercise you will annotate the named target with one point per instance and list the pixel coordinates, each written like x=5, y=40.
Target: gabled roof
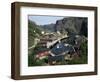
x=60, y=48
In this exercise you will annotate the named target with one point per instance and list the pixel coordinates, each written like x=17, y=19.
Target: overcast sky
x=42, y=20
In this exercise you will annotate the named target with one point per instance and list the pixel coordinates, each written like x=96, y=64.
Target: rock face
x=72, y=25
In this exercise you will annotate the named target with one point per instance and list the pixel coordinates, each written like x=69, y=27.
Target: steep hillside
x=72, y=25
x=33, y=32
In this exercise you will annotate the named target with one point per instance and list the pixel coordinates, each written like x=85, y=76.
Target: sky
x=42, y=20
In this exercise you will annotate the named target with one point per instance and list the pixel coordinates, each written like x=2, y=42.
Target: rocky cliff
x=72, y=25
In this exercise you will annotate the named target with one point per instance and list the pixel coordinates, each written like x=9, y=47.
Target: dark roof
x=62, y=48
x=56, y=58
